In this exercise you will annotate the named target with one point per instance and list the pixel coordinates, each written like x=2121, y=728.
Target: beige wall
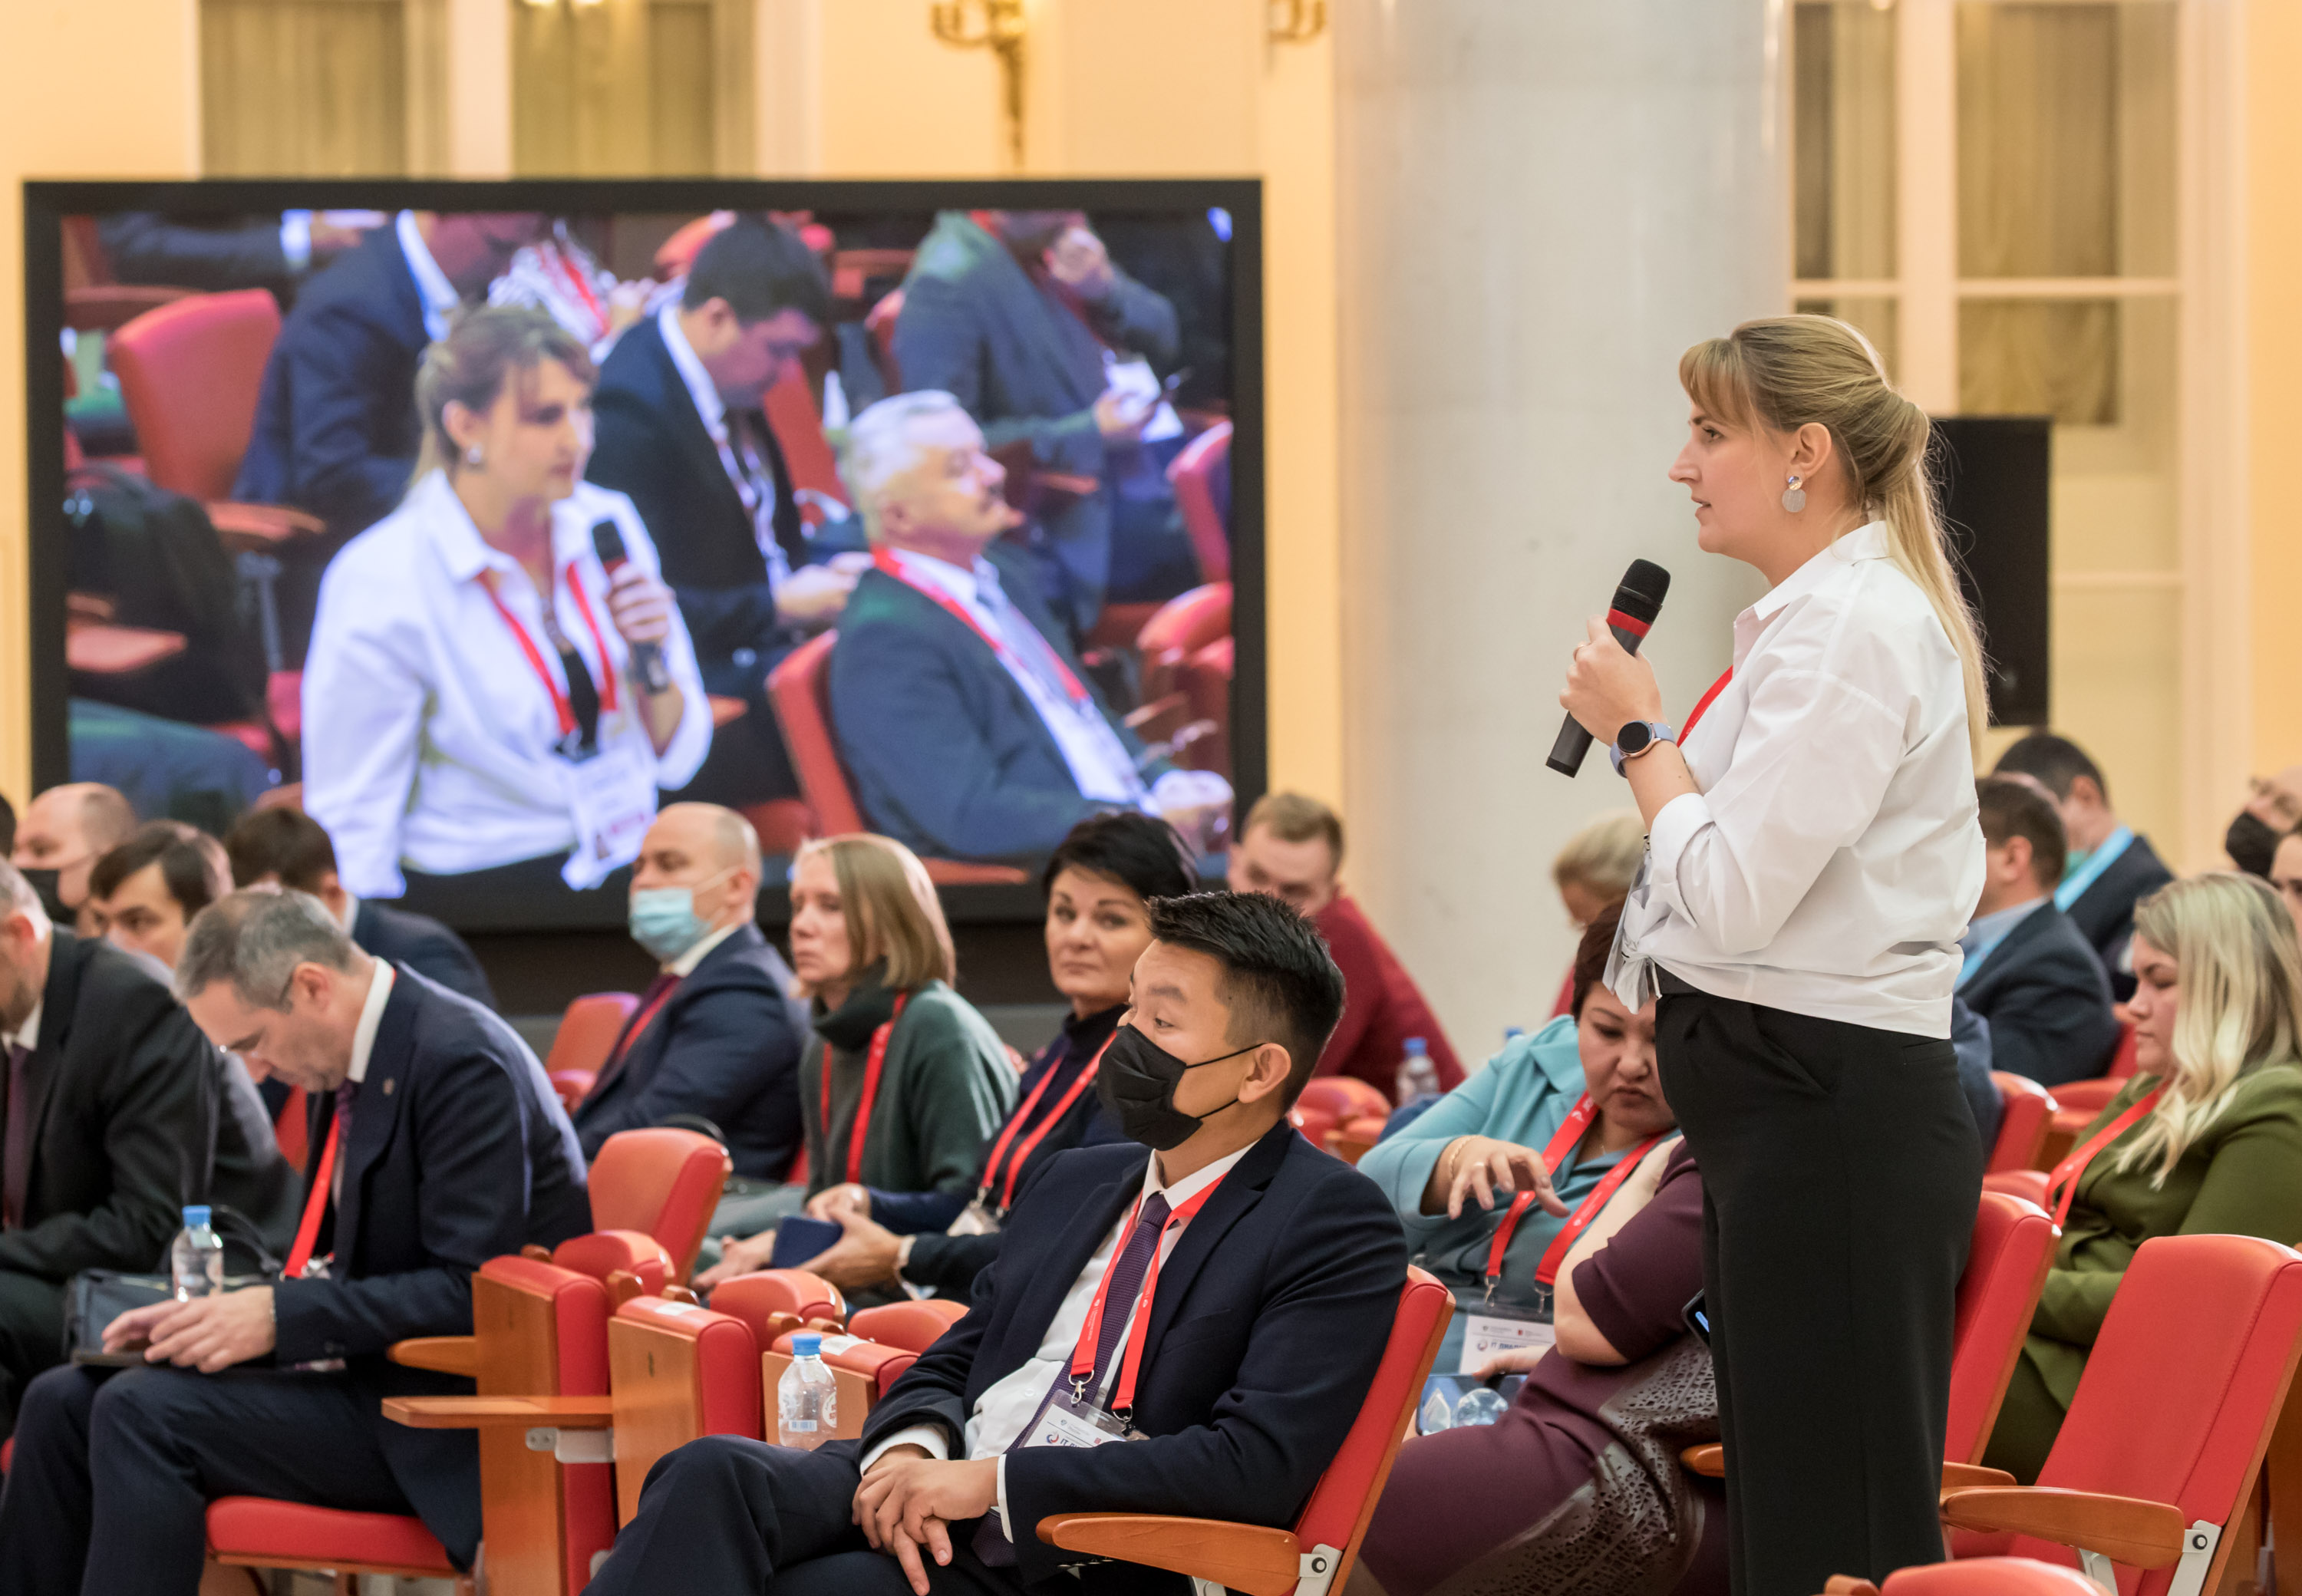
x=2273, y=356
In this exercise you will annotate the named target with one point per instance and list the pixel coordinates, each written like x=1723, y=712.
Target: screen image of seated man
x=963, y=714
x=1269, y=1274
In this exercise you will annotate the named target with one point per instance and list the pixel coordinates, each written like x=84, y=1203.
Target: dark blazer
x=2047, y=999
x=336, y=431
x=2103, y=913
x=424, y=946
x=725, y=1046
x=125, y=1097
x=1270, y=1318
x=946, y=752
x=458, y=1152
x=212, y=253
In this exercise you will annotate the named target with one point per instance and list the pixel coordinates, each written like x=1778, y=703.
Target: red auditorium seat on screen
x=797, y=423
x=879, y=330
x=1192, y=473
x=2022, y=1128
x=663, y=1183
x=1182, y=625
x=1316, y=1553
x=675, y=255
x=588, y=1028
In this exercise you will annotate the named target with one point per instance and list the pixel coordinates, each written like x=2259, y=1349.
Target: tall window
x=311, y=88
x=631, y=88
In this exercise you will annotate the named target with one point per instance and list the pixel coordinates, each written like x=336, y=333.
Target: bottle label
x=801, y=1426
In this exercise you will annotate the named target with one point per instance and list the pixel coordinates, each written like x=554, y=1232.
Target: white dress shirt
x=26, y=1036
x=1827, y=865
x=685, y=965
x=432, y=285
x=756, y=486
x=1007, y=1405
x=371, y=1021
x=427, y=737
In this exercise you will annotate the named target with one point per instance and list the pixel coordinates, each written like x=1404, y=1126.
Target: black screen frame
x=48, y=202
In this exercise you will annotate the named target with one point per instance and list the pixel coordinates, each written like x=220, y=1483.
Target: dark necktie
x=659, y=992
x=1029, y=643
x=344, y=1096
x=16, y=1148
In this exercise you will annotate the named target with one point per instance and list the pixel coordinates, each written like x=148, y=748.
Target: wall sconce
x=1296, y=21
x=1001, y=30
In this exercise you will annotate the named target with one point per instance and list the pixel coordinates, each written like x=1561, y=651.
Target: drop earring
x=1794, y=496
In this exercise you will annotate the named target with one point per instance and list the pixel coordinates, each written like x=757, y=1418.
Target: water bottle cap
x=1418, y=1046
x=196, y=1217
x=808, y=1343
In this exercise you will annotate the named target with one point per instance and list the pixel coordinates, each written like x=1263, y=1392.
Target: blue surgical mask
x=664, y=921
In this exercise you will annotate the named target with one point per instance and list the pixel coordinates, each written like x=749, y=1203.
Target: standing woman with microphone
x=1812, y=854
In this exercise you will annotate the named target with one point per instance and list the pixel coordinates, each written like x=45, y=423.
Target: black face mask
x=2251, y=844
x=1137, y=1082
x=43, y=883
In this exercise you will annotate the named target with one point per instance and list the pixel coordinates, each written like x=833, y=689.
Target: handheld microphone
x=647, y=658
x=1637, y=602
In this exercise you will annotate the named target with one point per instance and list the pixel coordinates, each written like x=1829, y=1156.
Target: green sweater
x=946, y=1087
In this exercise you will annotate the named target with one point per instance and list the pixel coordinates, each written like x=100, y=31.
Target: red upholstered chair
x=2080, y=1101
x=2161, y=1452
x=757, y=1298
x=2022, y=1128
x=1192, y=473
x=879, y=328
x=661, y=1182
x=1975, y=1576
x=676, y=254
x=914, y=1326
x=1204, y=679
x=797, y=423
x=1315, y=1554
x=1184, y=625
x=588, y=1028
x=1351, y=1140
x=676, y=1373
x=1343, y=1097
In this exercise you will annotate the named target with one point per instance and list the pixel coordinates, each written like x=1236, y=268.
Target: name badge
x=1501, y=1327
x=1070, y=1421
x=974, y=1220
x=611, y=797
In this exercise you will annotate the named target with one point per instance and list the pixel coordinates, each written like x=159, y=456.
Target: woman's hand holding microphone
x=1607, y=687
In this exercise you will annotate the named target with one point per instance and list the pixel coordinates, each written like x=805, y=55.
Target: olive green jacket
x=945, y=1087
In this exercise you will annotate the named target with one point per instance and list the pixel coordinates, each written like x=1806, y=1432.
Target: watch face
x=1633, y=737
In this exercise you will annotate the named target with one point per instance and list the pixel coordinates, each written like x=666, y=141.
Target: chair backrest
x=664, y=1182
x=1180, y=627
x=1193, y=473
x=588, y=1029
x=2184, y=1385
x=677, y=1372
x=755, y=1299
x=799, y=687
x=542, y=1330
x=603, y=1255
x=1342, y=1098
x=914, y=1326
x=188, y=376
x=1204, y=679
x=2028, y=1109
x=2006, y=1265
x=879, y=328
x=1981, y=1577
x=797, y=423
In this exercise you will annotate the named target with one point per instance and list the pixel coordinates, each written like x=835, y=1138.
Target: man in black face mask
x=1215, y=1309
x=63, y=832
x=2273, y=809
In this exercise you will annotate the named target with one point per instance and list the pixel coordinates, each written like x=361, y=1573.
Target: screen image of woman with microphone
x=1813, y=854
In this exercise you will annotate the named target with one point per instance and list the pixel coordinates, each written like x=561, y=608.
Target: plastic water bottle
x=1512, y=1033
x=1416, y=1073
x=196, y=1260
x=1479, y=1405
x=1436, y=1414
x=807, y=1400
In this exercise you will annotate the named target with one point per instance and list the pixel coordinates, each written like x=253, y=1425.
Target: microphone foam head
x=608, y=543
x=1642, y=590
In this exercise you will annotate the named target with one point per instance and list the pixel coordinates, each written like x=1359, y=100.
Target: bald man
x=716, y=1042
x=62, y=834
x=2273, y=807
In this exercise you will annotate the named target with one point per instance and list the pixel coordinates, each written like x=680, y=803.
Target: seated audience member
x=123, y=1091
x=2028, y=970
x=286, y=847
x=2216, y=1147
x=681, y=431
x=1578, y=1487
x=1595, y=868
x=163, y=766
x=1277, y=1279
x=1292, y=848
x=903, y=1082
x=337, y=431
x=454, y=1151
x=1547, y=1120
x=2273, y=807
x=965, y=719
x=62, y=834
x=2109, y=867
x=218, y=254
x=717, y=1035
x=1019, y=315
x=474, y=702
x=559, y=276
x=2286, y=873
x=143, y=894
x=1099, y=886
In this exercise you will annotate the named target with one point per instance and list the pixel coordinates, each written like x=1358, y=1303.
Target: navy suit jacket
x=725, y=1046
x=457, y=1151
x=424, y=946
x=2104, y=912
x=947, y=754
x=336, y=431
x=1270, y=1318
x=2048, y=1001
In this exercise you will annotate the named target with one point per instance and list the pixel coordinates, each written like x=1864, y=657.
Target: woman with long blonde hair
x=2205, y=1139
x=1812, y=856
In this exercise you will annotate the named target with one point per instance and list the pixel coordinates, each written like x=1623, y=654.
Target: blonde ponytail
x=1787, y=371
x=484, y=348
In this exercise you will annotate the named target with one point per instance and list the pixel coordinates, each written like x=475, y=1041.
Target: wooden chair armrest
x=261, y=526
x=1245, y=1557
x=1969, y=1477
x=480, y=1412
x=1708, y=1461
x=2125, y=1529
x=442, y=1355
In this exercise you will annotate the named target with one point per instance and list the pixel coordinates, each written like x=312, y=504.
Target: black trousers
x=1841, y=1173
x=31, y=1336
x=115, y=1471
x=726, y=1517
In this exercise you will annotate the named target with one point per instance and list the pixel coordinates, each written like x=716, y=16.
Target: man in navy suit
x=2110, y=867
x=717, y=1037
x=447, y=1148
x=968, y=724
x=680, y=428
x=2028, y=971
x=1274, y=1272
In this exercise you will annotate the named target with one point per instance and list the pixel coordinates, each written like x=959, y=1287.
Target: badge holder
x=1496, y=1327
x=1070, y=1418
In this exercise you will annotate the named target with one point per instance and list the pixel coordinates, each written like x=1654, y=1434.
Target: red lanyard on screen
x=1030, y=1142
x=873, y=1063
x=890, y=564
x=1562, y=1143
x=1083, y=1355
x=1702, y=703
x=323, y=1179
x=2067, y=1172
x=559, y=704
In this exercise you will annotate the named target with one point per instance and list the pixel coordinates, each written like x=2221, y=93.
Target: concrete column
x=1541, y=206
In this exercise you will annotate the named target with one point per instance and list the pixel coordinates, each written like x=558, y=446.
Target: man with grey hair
x=438, y=1144
x=967, y=723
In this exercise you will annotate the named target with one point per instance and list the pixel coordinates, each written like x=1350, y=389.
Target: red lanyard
x=887, y=562
x=559, y=704
x=2067, y=1172
x=1546, y=1272
x=572, y=278
x=307, y=1233
x=873, y=1063
x=1562, y=1142
x=1702, y=703
x=1131, y=1360
x=1030, y=1142
x=638, y=1028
